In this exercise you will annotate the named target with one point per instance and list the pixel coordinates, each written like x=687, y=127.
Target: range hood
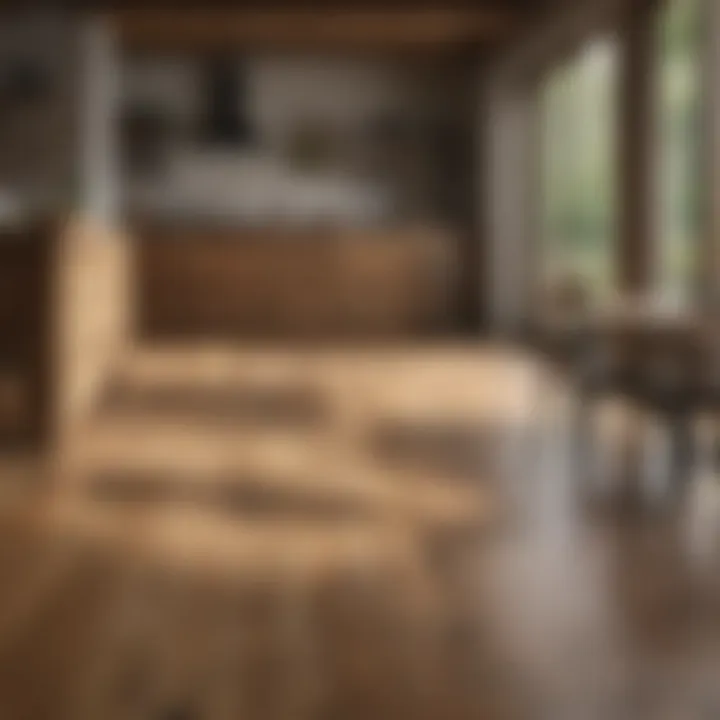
x=226, y=118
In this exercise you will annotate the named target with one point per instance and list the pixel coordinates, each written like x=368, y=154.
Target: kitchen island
x=204, y=279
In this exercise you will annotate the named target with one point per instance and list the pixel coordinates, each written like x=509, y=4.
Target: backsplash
x=349, y=140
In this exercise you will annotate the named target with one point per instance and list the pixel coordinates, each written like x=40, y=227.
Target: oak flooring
x=413, y=547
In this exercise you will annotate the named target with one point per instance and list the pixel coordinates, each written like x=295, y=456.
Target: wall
x=346, y=97
x=39, y=141
x=58, y=154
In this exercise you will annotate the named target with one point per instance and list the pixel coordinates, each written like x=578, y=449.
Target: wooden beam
x=637, y=147
x=198, y=31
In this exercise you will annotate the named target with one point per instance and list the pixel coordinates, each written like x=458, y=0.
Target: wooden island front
x=313, y=283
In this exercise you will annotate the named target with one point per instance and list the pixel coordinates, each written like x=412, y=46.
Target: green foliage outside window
x=578, y=183
x=579, y=171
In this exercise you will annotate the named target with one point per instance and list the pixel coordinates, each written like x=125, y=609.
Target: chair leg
x=683, y=447
x=657, y=460
x=544, y=406
x=609, y=432
x=633, y=449
x=706, y=456
x=583, y=440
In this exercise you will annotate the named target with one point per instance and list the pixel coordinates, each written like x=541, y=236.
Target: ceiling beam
x=197, y=30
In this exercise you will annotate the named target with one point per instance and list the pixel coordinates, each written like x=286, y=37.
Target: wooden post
x=638, y=111
x=472, y=310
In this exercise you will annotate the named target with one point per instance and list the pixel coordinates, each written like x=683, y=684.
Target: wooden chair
x=658, y=373
x=558, y=333
x=570, y=361
x=706, y=407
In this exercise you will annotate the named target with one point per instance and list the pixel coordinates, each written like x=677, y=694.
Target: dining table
x=660, y=359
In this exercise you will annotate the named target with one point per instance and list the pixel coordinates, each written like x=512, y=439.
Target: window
x=680, y=107
x=578, y=206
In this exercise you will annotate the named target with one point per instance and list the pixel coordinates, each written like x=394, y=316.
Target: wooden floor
x=341, y=536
